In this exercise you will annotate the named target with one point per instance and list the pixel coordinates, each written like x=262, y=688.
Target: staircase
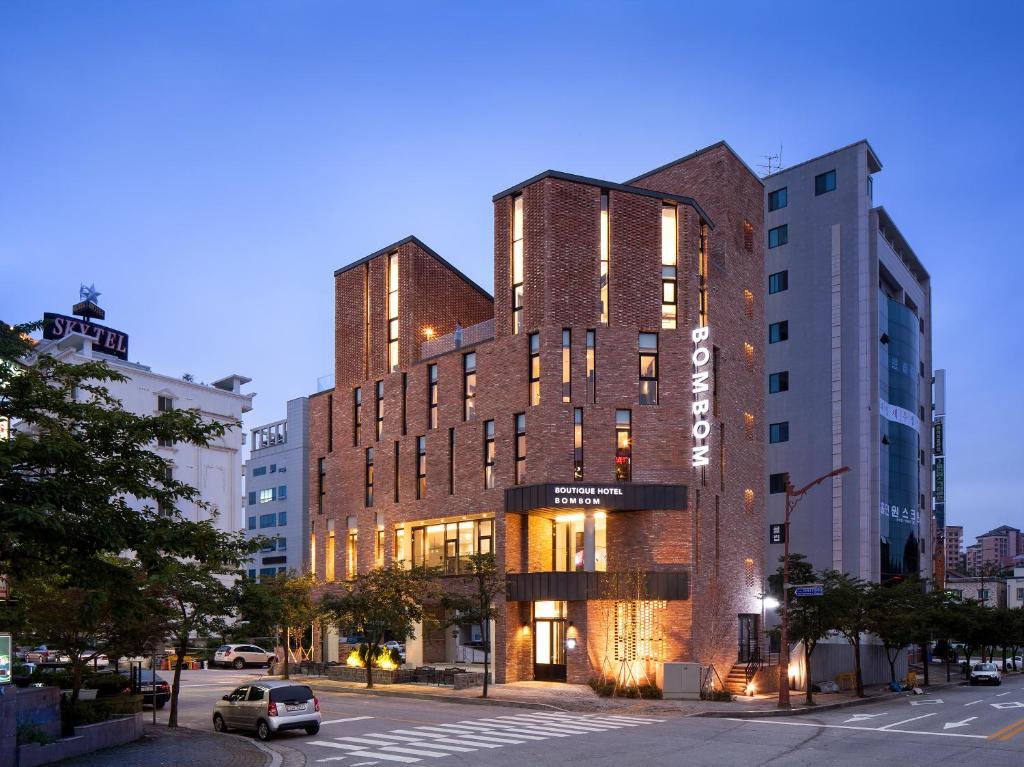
x=736, y=681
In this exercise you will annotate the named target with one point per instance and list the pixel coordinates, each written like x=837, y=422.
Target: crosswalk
x=414, y=744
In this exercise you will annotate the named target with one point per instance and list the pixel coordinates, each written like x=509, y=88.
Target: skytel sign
x=701, y=404
x=106, y=340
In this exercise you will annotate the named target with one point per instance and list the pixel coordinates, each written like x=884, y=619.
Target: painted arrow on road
x=862, y=717
x=963, y=723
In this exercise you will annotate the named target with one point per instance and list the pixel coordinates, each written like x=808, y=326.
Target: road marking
x=974, y=701
x=1007, y=732
x=855, y=727
x=961, y=723
x=338, y=759
x=346, y=719
x=934, y=702
x=1002, y=694
x=862, y=717
x=415, y=751
x=1011, y=704
x=360, y=752
x=914, y=719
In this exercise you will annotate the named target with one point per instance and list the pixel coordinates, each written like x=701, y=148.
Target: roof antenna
x=772, y=163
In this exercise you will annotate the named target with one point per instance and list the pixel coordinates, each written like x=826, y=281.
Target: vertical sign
x=5, y=658
x=701, y=402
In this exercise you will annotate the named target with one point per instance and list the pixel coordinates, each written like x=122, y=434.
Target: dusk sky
x=208, y=165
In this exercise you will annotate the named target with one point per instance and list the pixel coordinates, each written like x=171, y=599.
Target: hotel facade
x=597, y=424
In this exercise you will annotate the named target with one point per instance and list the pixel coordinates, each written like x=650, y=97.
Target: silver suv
x=268, y=707
x=242, y=655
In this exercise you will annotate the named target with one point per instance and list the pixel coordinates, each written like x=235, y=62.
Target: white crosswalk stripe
x=415, y=744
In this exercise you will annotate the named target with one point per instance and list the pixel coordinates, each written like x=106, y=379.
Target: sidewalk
x=181, y=747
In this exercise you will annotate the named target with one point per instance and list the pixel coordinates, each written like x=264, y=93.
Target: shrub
x=31, y=733
x=607, y=688
x=602, y=687
x=720, y=695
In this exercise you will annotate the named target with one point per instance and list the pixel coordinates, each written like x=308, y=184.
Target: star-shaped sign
x=88, y=293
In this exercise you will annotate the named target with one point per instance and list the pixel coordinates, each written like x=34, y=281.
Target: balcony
x=474, y=334
x=575, y=586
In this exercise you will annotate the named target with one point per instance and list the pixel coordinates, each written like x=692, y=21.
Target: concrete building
x=1015, y=587
x=995, y=550
x=990, y=591
x=954, y=541
x=849, y=371
x=277, y=492
x=598, y=426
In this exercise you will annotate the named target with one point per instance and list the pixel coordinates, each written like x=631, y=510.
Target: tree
x=897, y=616
x=479, y=606
x=849, y=596
x=383, y=602
x=293, y=596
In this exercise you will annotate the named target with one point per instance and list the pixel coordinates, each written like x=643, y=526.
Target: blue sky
x=209, y=164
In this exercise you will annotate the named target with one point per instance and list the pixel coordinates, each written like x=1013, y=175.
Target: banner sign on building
x=625, y=496
x=701, y=408
x=776, y=533
x=899, y=415
x=940, y=480
x=107, y=340
x=938, y=438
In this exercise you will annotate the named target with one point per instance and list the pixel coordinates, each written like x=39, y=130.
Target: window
x=778, y=331
x=577, y=443
x=825, y=182
x=268, y=520
x=778, y=199
x=648, y=345
x=517, y=264
x=378, y=549
x=778, y=432
x=871, y=188
x=379, y=407
x=778, y=282
x=393, y=312
x=268, y=494
x=748, y=425
x=534, y=368
x=778, y=236
x=748, y=237
x=321, y=473
x=396, y=483
x=329, y=554
x=273, y=468
x=369, y=477
x=432, y=396
x=566, y=365
x=983, y=594
x=252, y=523
x=357, y=414
x=421, y=467
x=520, y=447
x=312, y=548
x=488, y=454
x=282, y=518
x=351, y=560
x=282, y=544
x=405, y=396
x=448, y=546
x=399, y=555
x=330, y=429
x=1020, y=591
x=163, y=442
x=468, y=385
x=669, y=261
x=252, y=497
x=592, y=365
x=282, y=492
x=164, y=404
x=702, y=275
x=623, y=446
x=604, y=262
x=777, y=482
x=778, y=382
x=451, y=461
x=748, y=304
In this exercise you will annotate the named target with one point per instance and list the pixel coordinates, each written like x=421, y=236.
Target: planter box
x=90, y=737
x=83, y=694
x=380, y=676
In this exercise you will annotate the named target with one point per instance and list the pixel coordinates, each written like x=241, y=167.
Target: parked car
x=1013, y=664
x=43, y=654
x=985, y=673
x=242, y=655
x=268, y=707
x=144, y=686
x=100, y=660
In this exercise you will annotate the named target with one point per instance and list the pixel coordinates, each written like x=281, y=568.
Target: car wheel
x=999, y=682
x=313, y=729
x=263, y=730
x=218, y=723
x=239, y=663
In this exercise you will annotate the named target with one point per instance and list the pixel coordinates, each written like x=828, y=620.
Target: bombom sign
x=584, y=495
x=701, y=358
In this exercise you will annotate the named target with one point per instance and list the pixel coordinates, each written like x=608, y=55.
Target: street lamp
x=793, y=497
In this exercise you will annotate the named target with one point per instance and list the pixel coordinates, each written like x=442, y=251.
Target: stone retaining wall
x=380, y=676
x=89, y=737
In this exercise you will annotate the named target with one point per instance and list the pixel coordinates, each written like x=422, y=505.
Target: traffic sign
x=809, y=591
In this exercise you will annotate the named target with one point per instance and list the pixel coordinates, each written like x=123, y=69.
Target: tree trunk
x=287, y=650
x=179, y=656
x=856, y=667
x=927, y=662
x=892, y=663
x=76, y=679
x=371, y=650
x=808, y=649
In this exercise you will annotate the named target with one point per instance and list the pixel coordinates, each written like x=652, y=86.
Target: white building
x=215, y=470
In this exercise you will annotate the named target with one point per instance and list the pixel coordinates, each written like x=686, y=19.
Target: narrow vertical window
x=329, y=555
x=534, y=368
x=577, y=443
x=669, y=261
x=352, y=554
x=432, y=396
x=421, y=467
x=398, y=471
x=517, y=264
x=312, y=548
x=393, y=312
x=357, y=414
x=379, y=408
x=488, y=454
x=369, y=477
x=330, y=423
x=603, y=265
x=468, y=386
x=399, y=553
x=702, y=275
x=623, y=446
x=520, y=448
x=592, y=365
x=451, y=461
x=378, y=550
x=648, y=345
x=405, y=393
x=321, y=474
x=566, y=365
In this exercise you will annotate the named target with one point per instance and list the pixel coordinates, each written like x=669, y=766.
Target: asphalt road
x=952, y=726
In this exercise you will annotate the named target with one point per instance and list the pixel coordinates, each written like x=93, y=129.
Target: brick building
x=598, y=425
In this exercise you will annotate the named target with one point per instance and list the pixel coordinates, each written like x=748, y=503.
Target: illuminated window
x=748, y=500
x=825, y=182
x=592, y=365
x=577, y=443
x=778, y=236
x=378, y=550
x=669, y=261
x=421, y=467
x=748, y=237
x=379, y=408
x=748, y=425
x=432, y=396
x=357, y=414
x=520, y=448
x=778, y=199
x=266, y=495
x=369, y=477
x=566, y=365
x=778, y=331
x=702, y=276
x=534, y=368
x=748, y=354
x=748, y=572
x=517, y=264
x=567, y=542
x=778, y=432
x=312, y=548
x=604, y=263
x=399, y=553
x=393, y=312
x=351, y=560
x=488, y=454
x=623, y=446
x=648, y=345
x=778, y=282
x=748, y=304
x=468, y=385
x=329, y=557
x=778, y=382
x=448, y=546
x=321, y=473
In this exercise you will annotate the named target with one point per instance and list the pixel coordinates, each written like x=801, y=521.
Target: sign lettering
x=107, y=340
x=701, y=404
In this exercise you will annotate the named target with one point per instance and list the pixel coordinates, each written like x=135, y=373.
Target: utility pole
x=793, y=497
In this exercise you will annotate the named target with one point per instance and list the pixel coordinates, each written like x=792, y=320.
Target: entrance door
x=749, y=624
x=549, y=650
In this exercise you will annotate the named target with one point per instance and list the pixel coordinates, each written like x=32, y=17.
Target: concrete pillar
x=330, y=646
x=414, y=646
x=589, y=542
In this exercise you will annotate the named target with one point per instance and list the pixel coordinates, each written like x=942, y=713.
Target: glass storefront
x=899, y=427
x=449, y=545
x=568, y=550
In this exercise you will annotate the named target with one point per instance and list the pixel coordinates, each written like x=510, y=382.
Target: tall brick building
x=597, y=425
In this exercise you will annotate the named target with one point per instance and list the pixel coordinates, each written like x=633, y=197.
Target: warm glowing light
x=578, y=517
x=353, y=660
x=428, y=332
x=751, y=689
x=383, y=660
x=770, y=603
x=794, y=670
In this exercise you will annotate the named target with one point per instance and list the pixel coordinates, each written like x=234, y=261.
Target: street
x=954, y=725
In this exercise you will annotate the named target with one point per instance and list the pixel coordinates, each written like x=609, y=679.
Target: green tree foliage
x=479, y=606
x=284, y=604
x=852, y=605
x=898, y=615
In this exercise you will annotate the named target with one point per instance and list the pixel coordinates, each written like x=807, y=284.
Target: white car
x=985, y=673
x=100, y=661
x=242, y=655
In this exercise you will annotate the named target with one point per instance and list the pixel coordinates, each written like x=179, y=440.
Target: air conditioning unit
x=282, y=469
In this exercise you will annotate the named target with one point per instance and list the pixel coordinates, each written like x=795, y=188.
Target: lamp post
x=793, y=497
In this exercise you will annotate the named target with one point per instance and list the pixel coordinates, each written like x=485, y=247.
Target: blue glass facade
x=899, y=471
